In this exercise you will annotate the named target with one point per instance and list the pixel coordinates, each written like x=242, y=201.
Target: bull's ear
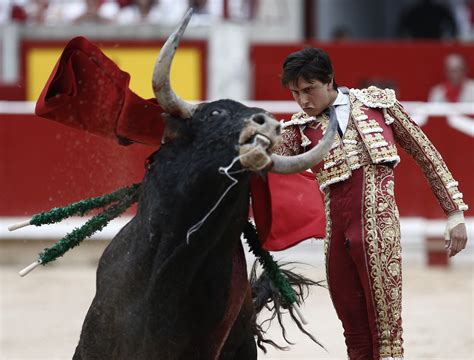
x=175, y=128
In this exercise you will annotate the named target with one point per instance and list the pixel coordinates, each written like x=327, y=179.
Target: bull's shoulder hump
x=374, y=97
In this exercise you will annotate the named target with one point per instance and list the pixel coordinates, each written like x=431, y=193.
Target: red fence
x=411, y=68
x=44, y=164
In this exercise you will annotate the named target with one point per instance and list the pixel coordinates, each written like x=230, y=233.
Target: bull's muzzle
x=262, y=134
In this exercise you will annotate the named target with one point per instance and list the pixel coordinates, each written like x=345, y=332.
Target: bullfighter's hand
x=458, y=239
x=455, y=234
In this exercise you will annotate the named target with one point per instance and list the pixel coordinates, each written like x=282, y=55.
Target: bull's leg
x=105, y=333
x=77, y=355
x=240, y=344
x=247, y=351
x=94, y=342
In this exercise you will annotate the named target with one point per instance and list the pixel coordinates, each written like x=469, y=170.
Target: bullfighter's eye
x=215, y=112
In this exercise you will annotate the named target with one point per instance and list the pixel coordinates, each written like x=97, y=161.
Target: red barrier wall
x=44, y=164
x=412, y=67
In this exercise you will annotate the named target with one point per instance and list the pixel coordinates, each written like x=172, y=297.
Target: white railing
x=456, y=113
x=414, y=108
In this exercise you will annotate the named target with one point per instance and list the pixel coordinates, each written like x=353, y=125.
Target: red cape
x=287, y=210
x=86, y=90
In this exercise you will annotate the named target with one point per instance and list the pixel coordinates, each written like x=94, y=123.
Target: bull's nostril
x=259, y=119
x=278, y=129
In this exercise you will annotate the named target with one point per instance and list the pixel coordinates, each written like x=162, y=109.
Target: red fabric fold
x=287, y=210
x=87, y=91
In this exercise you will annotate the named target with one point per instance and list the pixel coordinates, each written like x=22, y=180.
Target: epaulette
x=374, y=97
x=300, y=118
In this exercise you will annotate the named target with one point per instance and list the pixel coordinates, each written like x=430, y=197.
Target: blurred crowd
x=59, y=12
x=421, y=19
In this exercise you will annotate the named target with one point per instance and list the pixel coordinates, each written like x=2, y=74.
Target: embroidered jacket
x=377, y=121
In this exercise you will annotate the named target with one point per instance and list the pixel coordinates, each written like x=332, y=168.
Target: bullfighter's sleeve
x=412, y=139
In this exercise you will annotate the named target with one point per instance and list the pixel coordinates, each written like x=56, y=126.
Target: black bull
x=163, y=291
x=158, y=296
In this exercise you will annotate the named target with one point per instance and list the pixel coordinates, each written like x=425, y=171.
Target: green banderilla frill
x=96, y=223
x=81, y=207
x=269, y=265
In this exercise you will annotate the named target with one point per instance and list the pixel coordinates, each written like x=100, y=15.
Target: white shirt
x=342, y=107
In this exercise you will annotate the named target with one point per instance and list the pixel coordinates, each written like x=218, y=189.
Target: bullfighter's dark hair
x=308, y=64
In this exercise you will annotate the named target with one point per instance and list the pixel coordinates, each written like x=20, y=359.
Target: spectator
x=13, y=11
x=91, y=12
x=60, y=12
x=126, y=12
x=457, y=87
x=40, y=11
x=18, y=14
x=428, y=20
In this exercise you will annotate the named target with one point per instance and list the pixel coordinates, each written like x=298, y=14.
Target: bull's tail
x=266, y=295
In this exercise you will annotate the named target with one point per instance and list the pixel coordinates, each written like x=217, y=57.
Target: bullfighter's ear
x=174, y=128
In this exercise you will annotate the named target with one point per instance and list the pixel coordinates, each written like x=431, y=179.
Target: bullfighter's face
x=313, y=96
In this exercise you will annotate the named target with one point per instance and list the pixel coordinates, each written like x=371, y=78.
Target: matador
x=363, y=253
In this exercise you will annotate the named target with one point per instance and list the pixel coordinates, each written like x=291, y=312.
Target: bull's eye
x=215, y=112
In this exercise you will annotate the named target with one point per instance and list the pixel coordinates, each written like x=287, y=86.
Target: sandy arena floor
x=41, y=314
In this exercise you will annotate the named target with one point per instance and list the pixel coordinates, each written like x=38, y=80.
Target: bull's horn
x=298, y=163
x=168, y=100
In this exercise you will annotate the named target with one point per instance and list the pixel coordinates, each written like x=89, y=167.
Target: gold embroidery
x=412, y=139
x=289, y=145
x=347, y=155
x=354, y=147
x=374, y=97
x=334, y=174
x=300, y=118
x=379, y=150
x=350, y=135
x=382, y=238
x=327, y=240
x=327, y=210
x=385, y=154
x=300, y=115
x=371, y=139
x=336, y=154
x=314, y=125
x=370, y=126
x=356, y=111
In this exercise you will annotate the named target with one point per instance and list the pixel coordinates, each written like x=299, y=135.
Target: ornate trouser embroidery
x=363, y=262
x=383, y=252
